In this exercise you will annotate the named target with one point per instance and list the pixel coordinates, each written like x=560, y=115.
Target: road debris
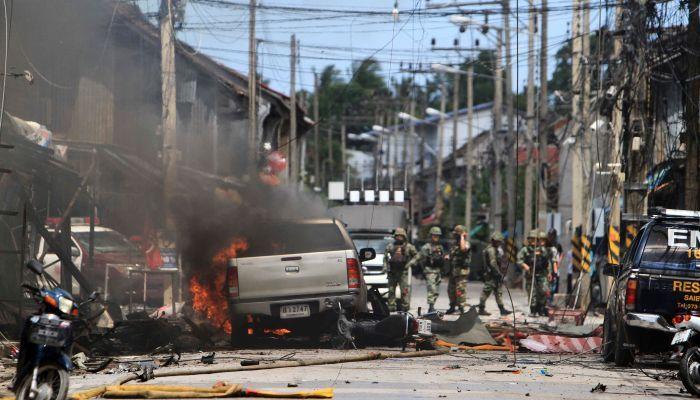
x=599, y=388
x=561, y=344
x=468, y=329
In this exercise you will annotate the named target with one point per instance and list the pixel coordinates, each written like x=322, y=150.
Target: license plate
x=47, y=333
x=681, y=337
x=425, y=327
x=295, y=311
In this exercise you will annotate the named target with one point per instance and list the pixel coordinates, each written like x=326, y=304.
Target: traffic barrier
x=613, y=245
x=576, y=251
x=630, y=234
x=585, y=253
x=511, y=250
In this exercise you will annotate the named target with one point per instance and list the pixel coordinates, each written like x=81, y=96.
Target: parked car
x=113, y=251
x=294, y=275
x=658, y=279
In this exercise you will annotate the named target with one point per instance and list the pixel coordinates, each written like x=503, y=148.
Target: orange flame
x=208, y=291
x=277, y=332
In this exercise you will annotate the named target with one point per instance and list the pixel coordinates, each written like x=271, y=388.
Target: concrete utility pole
x=252, y=95
x=412, y=137
x=530, y=111
x=395, y=166
x=441, y=137
x=692, y=187
x=343, y=148
x=468, y=150
x=169, y=110
x=329, y=174
x=293, y=152
x=587, y=171
x=543, y=166
x=168, y=123
x=455, y=132
x=317, y=153
x=496, y=210
x=511, y=140
x=577, y=185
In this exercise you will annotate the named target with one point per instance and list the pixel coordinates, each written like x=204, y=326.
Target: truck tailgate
x=291, y=275
x=667, y=295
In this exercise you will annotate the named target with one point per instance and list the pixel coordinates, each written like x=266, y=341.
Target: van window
x=292, y=238
x=669, y=247
x=107, y=242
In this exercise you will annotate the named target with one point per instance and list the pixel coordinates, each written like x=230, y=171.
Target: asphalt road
x=478, y=375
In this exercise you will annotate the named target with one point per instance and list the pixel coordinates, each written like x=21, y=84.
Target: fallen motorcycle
x=46, y=342
x=685, y=343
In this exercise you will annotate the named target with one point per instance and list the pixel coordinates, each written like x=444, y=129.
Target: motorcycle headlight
x=65, y=305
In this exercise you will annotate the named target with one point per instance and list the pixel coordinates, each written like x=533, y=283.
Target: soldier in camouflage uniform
x=460, y=258
x=431, y=259
x=535, y=257
x=493, y=277
x=396, y=257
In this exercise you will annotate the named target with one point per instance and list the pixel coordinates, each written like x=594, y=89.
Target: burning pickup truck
x=294, y=275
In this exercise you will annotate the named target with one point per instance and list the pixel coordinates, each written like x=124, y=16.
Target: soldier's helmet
x=400, y=232
x=532, y=234
x=459, y=229
x=436, y=231
x=497, y=237
x=541, y=235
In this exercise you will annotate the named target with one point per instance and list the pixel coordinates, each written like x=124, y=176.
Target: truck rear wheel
x=624, y=357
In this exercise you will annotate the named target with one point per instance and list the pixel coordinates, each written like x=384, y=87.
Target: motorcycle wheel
x=52, y=383
x=690, y=371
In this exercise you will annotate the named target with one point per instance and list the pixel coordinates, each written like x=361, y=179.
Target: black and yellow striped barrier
x=630, y=234
x=613, y=245
x=585, y=253
x=511, y=250
x=576, y=251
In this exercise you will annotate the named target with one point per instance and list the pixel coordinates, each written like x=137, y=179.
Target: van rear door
x=669, y=270
x=293, y=260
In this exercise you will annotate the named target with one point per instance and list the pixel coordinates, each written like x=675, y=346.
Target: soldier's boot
x=431, y=308
x=450, y=310
x=503, y=311
x=461, y=310
x=482, y=310
x=543, y=311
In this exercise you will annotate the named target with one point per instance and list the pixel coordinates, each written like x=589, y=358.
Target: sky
x=338, y=32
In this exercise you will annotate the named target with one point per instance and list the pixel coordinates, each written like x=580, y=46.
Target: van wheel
x=623, y=357
x=608, y=350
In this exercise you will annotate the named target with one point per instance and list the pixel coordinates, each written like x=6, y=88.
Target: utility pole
x=252, y=86
x=317, y=153
x=468, y=151
x=441, y=137
x=693, y=125
x=543, y=166
x=293, y=147
x=168, y=123
x=329, y=174
x=577, y=185
x=412, y=137
x=496, y=209
x=587, y=171
x=169, y=110
x=530, y=116
x=511, y=140
x=395, y=167
x=455, y=131
x=343, y=148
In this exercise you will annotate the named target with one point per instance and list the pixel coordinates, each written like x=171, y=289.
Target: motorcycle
x=46, y=343
x=685, y=343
